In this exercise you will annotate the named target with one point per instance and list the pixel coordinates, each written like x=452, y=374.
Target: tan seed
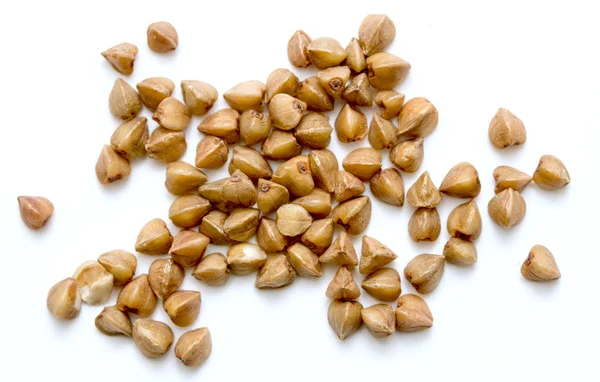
x=465, y=221
x=314, y=95
x=188, y=247
x=183, y=307
x=123, y=101
x=213, y=226
x=355, y=58
x=281, y=145
x=188, y=210
x=423, y=193
x=388, y=186
x=137, y=297
x=376, y=33
x=198, y=96
x=385, y=70
x=540, y=265
x=121, y=57
x=254, y=127
x=250, y=162
x=162, y=37
x=194, y=347
x=341, y=252
x=293, y=220
x=183, y=178
x=506, y=130
x=298, y=49
x=317, y=203
x=154, y=90
x=241, y=224
x=354, y=215
x=551, y=173
x=304, y=261
x=213, y=269
x=351, y=125
x=245, y=96
x=358, y=91
x=268, y=236
x=121, y=264
x=509, y=177
x=112, y=322
x=363, y=163
x=271, y=196
x=374, y=255
x=211, y=152
x=35, y=210
x=319, y=236
x=460, y=252
x=462, y=181
x=166, y=145
x=380, y=320
x=165, y=277
x=130, y=138
x=212, y=191
x=323, y=165
x=152, y=338
x=95, y=284
x=344, y=317
x=408, y=155
x=325, y=52
x=295, y=175
x=507, y=208
x=111, y=166
x=412, y=314
x=275, y=273
x=389, y=103
x=424, y=224
x=383, y=284
x=418, y=118
x=281, y=81
x=172, y=114
x=314, y=131
x=382, y=133
x=64, y=300
x=245, y=258
x=223, y=124
x=238, y=190
x=347, y=186
x=286, y=111
x=343, y=286
x=424, y=272
x=334, y=79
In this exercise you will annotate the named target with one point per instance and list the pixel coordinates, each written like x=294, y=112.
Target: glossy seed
x=94, y=282
x=268, y=236
x=154, y=90
x=344, y=317
x=223, y=124
x=363, y=163
x=246, y=96
x=509, y=177
x=165, y=277
x=213, y=226
x=111, y=321
x=276, y=272
x=121, y=57
x=154, y=238
x=374, y=255
x=137, y=297
x=188, y=210
x=507, y=208
x=64, y=300
x=376, y=33
x=506, y=129
x=188, y=247
x=298, y=49
x=152, y=338
x=245, y=258
x=198, y=96
x=355, y=58
x=424, y=225
x=460, y=252
x=286, y=111
x=238, y=190
x=250, y=162
x=408, y=155
x=358, y=91
x=183, y=307
x=314, y=131
x=341, y=252
x=130, y=137
x=172, y=114
x=334, y=79
x=35, y=211
x=385, y=70
x=343, y=286
x=424, y=272
x=211, y=152
x=314, y=95
x=241, y=224
x=465, y=221
x=388, y=186
x=389, y=103
x=347, y=186
x=551, y=173
x=212, y=191
x=418, y=118
x=323, y=165
x=123, y=101
x=162, y=37
x=281, y=145
x=295, y=175
x=319, y=236
x=166, y=145
x=121, y=264
x=111, y=166
x=304, y=261
x=213, y=269
x=351, y=124
x=293, y=220
x=183, y=178
x=540, y=265
x=383, y=284
x=423, y=193
x=281, y=81
x=382, y=133
x=462, y=181
x=412, y=314
x=194, y=347
x=317, y=203
x=271, y=196
x=354, y=215
x=325, y=52
x=254, y=127
x=380, y=320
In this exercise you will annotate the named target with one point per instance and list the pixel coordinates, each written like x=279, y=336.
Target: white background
x=538, y=59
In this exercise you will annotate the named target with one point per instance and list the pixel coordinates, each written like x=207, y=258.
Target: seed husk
x=355, y=58
x=293, y=220
x=462, y=181
x=506, y=129
x=509, y=177
x=412, y=314
x=374, y=255
x=64, y=300
x=304, y=261
x=540, y=265
x=130, y=138
x=298, y=49
x=166, y=145
x=152, y=338
x=423, y=193
x=165, y=277
x=380, y=320
x=383, y=284
x=424, y=272
x=408, y=155
x=123, y=101
x=198, y=96
x=111, y=167
x=121, y=264
x=268, y=236
x=551, y=173
x=213, y=226
x=465, y=221
x=212, y=191
x=460, y=252
x=418, y=118
x=319, y=236
x=112, y=322
x=241, y=224
x=254, y=127
x=275, y=273
x=162, y=37
x=317, y=203
x=389, y=103
x=314, y=131
x=341, y=252
x=183, y=307
x=347, y=186
x=388, y=186
x=385, y=70
x=344, y=317
x=351, y=125
x=188, y=247
x=354, y=215
x=325, y=52
x=35, y=211
x=376, y=33
x=213, y=269
x=250, y=162
x=188, y=210
x=507, y=208
x=183, y=178
x=281, y=81
x=281, y=145
x=358, y=91
x=246, y=95
x=137, y=297
x=286, y=111
x=245, y=258
x=271, y=196
x=172, y=114
x=295, y=175
x=194, y=347
x=121, y=57
x=223, y=124
x=238, y=190
x=94, y=283
x=211, y=152
x=334, y=79
x=314, y=95
x=424, y=224
x=382, y=133
x=343, y=286
x=323, y=165
x=154, y=90
x=363, y=163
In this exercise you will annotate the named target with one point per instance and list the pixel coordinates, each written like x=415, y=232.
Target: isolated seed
x=298, y=49
x=408, y=155
x=223, y=124
x=363, y=163
x=123, y=101
x=194, y=347
x=355, y=58
x=509, y=177
x=344, y=317
x=314, y=95
x=286, y=111
x=154, y=90
x=111, y=321
x=281, y=81
x=172, y=114
x=507, y=208
x=324, y=166
x=241, y=224
x=162, y=37
x=293, y=220
x=213, y=269
x=412, y=314
x=382, y=133
x=347, y=186
x=354, y=215
x=460, y=252
x=424, y=272
x=268, y=236
x=506, y=130
x=153, y=338
x=275, y=273
x=250, y=162
x=334, y=79
x=165, y=277
x=130, y=137
x=111, y=167
x=462, y=181
x=166, y=145
x=418, y=118
x=183, y=307
x=388, y=186
x=325, y=52
x=188, y=247
x=358, y=92
x=281, y=145
x=238, y=190
x=295, y=175
x=343, y=286
x=304, y=261
x=121, y=264
x=551, y=173
x=424, y=225
x=245, y=258
x=121, y=57
x=213, y=225
x=380, y=320
x=389, y=103
x=319, y=236
x=183, y=178
x=245, y=96
x=64, y=300
x=94, y=283
x=317, y=203
x=383, y=284
x=351, y=125
x=385, y=70
x=465, y=221
x=374, y=255
x=271, y=196
x=341, y=252
x=211, y=152
x=540, y=265
x=188, y=210
x=198, y=96
x=314, y=131
x=137, y=297
x=376, y=33
x=35, y=211
x=254, y=127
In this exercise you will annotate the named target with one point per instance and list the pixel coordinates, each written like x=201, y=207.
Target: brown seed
x=295, y=175
x=382, y=133
x=385, y=70
x=325, y=52
x=389, y=103
x=333, y=80
x=250, y=162
x=509, y=177
x=94, y=283
x=212, y=191
x=423, y=193
x=540, y=265
x=166, y=145
x=254, y=127
x=314, y=131
x=153, y=338
x=465, y=221
x=245, y=96
x=121, y=57
x=111, y=167
x=374, y=255
x=281, y=81
x=123, y=101
x=154, y=238
x=460, y=252
x=281, y=145
x=275, y=273
x=388, y=186
x=354, y=215
x=347, y=186
x=198, y=96
x=165, y=277
x=154, y=90
x=363, y=163
x=324, y=166
x=355, y=58
x=137, y=297
x=238, y=190
x=319, y=236
x=183, y=178
x=341, y=252
x=380, y=320
x=35, y=210
x=551, y=173
x=213, y=269
x=271, y=196
x=344, y=317
x=358, y=92
x=121, y=264
x=223, y=124
x=408, y=155
x=130, y=138
x=506, y=130
x=268, y=236
x=211, y=152
x=188, y=210
x=241, y=224
x=376, y=33
x=343, y=286
x=188, y=247
x=317, y=203
x=412, y=314
x=194, y=347
x=507, y=208
x=111, y=321
x=162, y=37
x=286, y=111
x=418, y=118
x=383, y=284
x=183, y=307
x=351, y=124
x=172, y=114
x=245, y=258
x=304, y=261
x=298, y=49
x=293, y=220
x=462, y=181
x=314, y=95
x=424, y=224
x=424, y=272
x=213, y=226
x=64, y=300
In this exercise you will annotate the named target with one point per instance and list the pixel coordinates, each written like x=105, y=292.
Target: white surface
x=469, y=58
